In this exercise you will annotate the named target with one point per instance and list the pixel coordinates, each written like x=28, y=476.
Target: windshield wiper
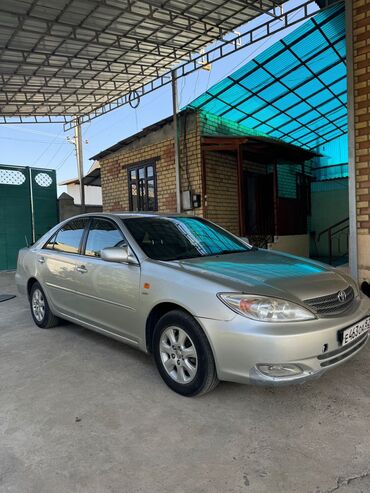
x=179, y=257
x=225, y=252
x=221, y=252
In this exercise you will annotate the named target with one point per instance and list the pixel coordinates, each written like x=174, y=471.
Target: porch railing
x=336, y=232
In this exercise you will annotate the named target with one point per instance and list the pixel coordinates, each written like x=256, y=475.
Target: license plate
x=356, y=331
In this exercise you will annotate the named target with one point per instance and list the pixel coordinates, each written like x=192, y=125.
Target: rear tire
x=40, y=310
x=183, y=355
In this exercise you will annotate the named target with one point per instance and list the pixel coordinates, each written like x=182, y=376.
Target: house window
x=142, y=187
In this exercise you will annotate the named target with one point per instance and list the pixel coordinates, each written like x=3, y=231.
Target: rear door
x=58, y=263
x=108, y=292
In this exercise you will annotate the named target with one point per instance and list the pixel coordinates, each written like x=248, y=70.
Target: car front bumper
x=241, y=345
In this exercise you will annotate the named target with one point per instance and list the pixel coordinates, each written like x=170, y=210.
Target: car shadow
x=100, y=339
x=135, y=359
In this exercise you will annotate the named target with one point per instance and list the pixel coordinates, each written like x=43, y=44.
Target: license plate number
x=356, y=331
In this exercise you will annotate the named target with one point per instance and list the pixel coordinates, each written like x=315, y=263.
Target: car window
x=50, y=244
x=68, y=238
x=180, y=237
x=102, y=234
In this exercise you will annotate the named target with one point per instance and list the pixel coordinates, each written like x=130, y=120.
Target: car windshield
x=180, y=238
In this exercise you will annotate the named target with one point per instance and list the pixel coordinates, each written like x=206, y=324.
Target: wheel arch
x=155, y=314
x=31, y=281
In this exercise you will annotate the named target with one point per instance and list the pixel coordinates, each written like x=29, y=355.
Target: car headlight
x=264, y=308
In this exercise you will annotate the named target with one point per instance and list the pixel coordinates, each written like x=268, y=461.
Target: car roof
x=148, y=214
x=131, y=214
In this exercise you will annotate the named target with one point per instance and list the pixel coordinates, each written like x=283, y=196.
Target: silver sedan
x=206, y=304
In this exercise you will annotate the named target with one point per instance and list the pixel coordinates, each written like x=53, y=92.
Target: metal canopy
x=70, y=57
x=260, y=149
x=65, y=58
x=296, y=90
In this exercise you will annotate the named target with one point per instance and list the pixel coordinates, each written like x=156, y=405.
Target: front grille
x=343, y=352
x=330, y=304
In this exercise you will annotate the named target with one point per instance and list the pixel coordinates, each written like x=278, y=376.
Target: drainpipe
x=175, y=105
x=353, y=248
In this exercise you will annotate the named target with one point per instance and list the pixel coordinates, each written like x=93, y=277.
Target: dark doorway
x=259, y=204
x=293, y=212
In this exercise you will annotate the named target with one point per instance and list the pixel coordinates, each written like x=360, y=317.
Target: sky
x=45, y=145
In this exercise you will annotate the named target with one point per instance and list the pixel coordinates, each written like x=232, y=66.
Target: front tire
x=40, y=310
x=183, y=355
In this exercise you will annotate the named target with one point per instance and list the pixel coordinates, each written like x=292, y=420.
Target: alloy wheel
x=38, y=305
x=178, y=355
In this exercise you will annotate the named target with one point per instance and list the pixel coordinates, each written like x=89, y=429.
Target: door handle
x=81, y=268
x=41, y=260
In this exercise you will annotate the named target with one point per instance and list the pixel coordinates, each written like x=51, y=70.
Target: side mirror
x=119, y=255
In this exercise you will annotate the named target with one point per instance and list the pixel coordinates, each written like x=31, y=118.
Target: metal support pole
x=79, y=156
x=30, y=177
x=353, y=248
x=276, y=200
x=175, y=105
x=330, y=246
x=241, y=191
x=204, y=182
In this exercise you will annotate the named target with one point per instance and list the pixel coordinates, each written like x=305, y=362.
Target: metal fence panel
x=28, y=208
x=15, y=214
x=44, y=197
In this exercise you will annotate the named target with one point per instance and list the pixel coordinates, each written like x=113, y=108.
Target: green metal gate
x=28, y=208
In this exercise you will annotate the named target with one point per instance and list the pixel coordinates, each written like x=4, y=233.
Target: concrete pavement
x=83, y=413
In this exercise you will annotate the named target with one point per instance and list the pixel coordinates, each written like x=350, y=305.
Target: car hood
x=268, y=273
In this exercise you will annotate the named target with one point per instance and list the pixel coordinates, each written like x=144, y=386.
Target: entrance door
x=259, y=204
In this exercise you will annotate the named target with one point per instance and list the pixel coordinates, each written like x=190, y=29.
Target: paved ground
x=83, y=413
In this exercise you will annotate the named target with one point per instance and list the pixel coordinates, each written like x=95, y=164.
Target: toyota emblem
x=342, y=296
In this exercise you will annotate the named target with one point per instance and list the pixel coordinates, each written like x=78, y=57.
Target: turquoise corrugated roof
x=296, y=90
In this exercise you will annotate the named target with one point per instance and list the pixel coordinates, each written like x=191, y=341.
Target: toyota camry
x=205, y=303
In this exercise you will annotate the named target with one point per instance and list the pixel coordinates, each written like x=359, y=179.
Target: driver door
x=109, y=292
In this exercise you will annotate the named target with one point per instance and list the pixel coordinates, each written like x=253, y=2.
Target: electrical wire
x=62, y=163
x=136, y=119
x=56, y=152
x=183, y=83
x=17, y=128
x=30, y=140
x=44, y=151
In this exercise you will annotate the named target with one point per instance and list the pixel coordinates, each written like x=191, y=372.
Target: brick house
x=249, y=183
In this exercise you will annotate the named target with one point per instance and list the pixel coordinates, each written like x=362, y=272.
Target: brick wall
x=361, y=44
x=221, y=186
x=222, y=190
x=191, y=158
x=287, y=180
x=114, y=168
x=115, y=179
